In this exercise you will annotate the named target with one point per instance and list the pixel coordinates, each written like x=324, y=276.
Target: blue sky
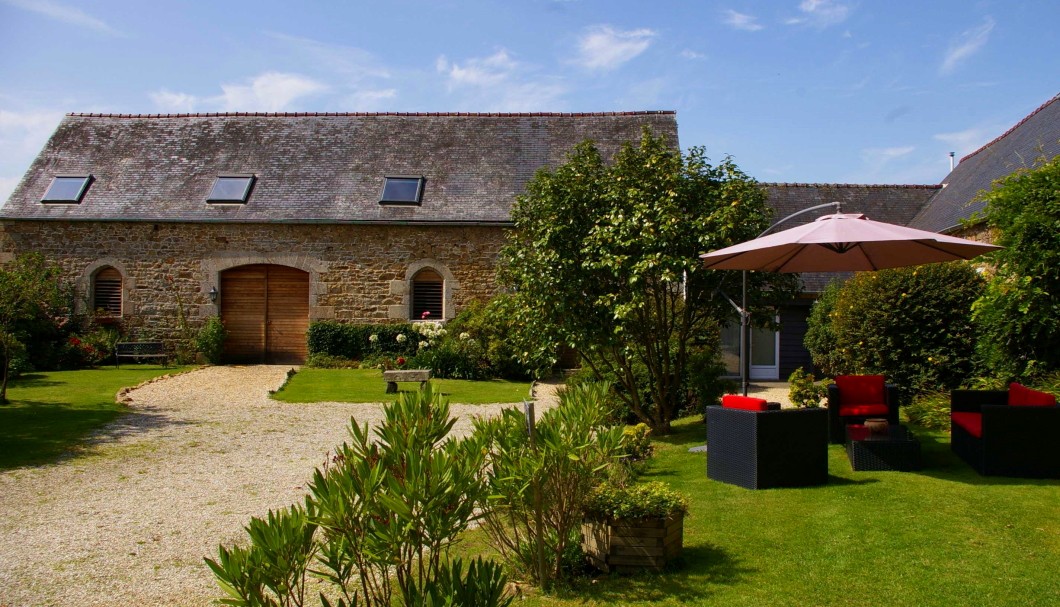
x=820, y=91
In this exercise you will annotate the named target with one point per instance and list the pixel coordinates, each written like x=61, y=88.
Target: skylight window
x=402, y=190
x=70, y=189
x=231, y=188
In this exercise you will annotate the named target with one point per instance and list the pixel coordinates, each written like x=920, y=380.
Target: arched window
x=106, y=292
x=428, y=288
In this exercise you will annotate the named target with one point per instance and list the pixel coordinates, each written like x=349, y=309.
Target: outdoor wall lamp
x=213, y=294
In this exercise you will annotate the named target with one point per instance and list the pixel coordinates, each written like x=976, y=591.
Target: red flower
x=75, y=341
x=425, y=315
x=400, y=360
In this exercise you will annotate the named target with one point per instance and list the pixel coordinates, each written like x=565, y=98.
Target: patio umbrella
x=843, y=242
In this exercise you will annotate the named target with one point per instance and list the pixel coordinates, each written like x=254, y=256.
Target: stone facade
x=358, y=273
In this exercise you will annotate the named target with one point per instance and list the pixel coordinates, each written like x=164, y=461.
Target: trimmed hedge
x=352, y=341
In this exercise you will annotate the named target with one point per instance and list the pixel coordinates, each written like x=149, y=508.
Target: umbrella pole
x=745, y=339
x=745, y=314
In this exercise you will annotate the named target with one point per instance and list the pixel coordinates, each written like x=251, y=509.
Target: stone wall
x=358, y=273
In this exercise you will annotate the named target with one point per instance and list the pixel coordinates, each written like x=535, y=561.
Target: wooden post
x=539, y=524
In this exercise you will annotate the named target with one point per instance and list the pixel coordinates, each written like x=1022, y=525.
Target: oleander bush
x=546, y=479
x=379, y=521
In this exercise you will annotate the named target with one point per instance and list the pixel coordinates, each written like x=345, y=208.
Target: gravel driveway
x=199, y=454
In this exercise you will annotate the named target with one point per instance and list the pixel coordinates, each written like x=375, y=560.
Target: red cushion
x=1022, y=396
x=863, y=410
x=971, y=422
x=860, y=389
x=748, y=403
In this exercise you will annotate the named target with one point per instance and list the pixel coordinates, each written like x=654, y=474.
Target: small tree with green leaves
x=605, y=259
x=1018, y=317
x=33, y=297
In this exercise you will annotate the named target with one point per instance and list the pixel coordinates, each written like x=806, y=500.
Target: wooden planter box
x=628, y=545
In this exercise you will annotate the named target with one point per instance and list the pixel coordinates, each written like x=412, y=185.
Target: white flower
x=442, y=332
x=401, y=338
x=465, y=335
x=423, y=344
x=373, y=338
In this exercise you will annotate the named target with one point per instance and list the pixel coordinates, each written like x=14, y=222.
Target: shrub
x=326, y=361
x=272, y=570
x=1018, y=316
x=820, y=339
x=654, y=499
x=803, y=390
x=507, y=347
x=380, y=517
x=545, y=479
x=636, y=443
x=912, y=325
x=210, y=339
x=354, y=341
x=930, y=410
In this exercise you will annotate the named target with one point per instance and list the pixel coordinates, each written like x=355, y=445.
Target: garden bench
x=139, y=350
x=393, y=377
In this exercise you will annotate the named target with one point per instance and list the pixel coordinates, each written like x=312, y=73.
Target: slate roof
x=1036, y=135
x=897, y=204
x=312, y=167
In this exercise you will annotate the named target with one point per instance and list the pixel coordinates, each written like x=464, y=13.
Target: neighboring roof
x=897, y=204
x=1035, y=136
x=312, y=167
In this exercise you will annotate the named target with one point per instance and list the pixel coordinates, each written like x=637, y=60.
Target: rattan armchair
x=847, y=408
x=999, y=439
x=765, y=449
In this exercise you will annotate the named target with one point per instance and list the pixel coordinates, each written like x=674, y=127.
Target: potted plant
x=633, y=528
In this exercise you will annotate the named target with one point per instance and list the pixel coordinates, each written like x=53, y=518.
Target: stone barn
x=274, y=220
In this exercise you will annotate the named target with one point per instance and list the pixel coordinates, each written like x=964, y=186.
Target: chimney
x=951, y=162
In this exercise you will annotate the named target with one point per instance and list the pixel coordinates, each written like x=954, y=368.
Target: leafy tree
x=605, y=260
x=33, y=299
x=1019, y=315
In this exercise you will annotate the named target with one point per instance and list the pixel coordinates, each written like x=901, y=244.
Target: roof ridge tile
x=379, y=114
x=1014, y=127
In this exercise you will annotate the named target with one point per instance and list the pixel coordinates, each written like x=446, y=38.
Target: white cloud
x=66, y=14
x=820, y=13
x=969, y=140
x=268, y=92
x=966, y=45
x=499, y=83
x=168, y=102
x=878, y=158
x=369, y=100
x=7, y=186
x=22, y=135
x=484, y=72
x=691, y=54
x=605, y=48
x=348, y=61
x=741, y=21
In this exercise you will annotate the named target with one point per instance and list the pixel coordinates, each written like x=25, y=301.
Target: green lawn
x=943, y=536
x=367, y=386
x=50, y=413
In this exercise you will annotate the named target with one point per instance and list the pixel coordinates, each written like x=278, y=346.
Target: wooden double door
x=265, y=310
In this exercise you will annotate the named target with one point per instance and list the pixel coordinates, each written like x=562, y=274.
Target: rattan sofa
x=999, y=439
x=766, y=449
